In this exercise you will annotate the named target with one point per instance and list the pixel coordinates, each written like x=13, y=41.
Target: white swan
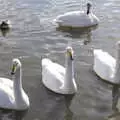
x=106, y=66
x=12, y=95
x=77, y=18
x=57, y=78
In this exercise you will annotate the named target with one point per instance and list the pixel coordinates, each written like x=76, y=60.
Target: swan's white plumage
x=104, y=65
x=53, y=76
x=6, y=93
x=8, y=98
x=77, y=19
x=51, y=72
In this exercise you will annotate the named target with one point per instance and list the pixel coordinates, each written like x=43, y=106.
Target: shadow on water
x=12, y=114
x=79, y=32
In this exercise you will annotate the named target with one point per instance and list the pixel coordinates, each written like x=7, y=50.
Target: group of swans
x=77, y=19
x=55, y=77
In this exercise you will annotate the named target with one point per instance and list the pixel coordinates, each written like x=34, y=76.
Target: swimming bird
x=106, y=66
x=5, y=25
x=57, y=78
x=77, y=19
x=12, y=95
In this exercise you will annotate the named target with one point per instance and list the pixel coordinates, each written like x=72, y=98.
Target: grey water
x=33, y=35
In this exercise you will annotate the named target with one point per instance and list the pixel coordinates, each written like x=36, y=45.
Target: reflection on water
x=68, y=112
x=4, y=32
x=11, y=114
x=74, y=33
x=115, y=95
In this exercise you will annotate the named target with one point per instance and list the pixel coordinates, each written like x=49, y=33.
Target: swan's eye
x=15, y=63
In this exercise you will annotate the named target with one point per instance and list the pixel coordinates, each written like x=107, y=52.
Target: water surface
x=33, y=34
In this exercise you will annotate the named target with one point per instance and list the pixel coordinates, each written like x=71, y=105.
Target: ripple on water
x=108, y=4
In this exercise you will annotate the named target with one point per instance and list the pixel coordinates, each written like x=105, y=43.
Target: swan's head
x=69, y=52
x=89, y=5
x=15, y=65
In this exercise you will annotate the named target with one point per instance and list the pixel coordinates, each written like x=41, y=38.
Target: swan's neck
x=88, y=10
x=18, y=87
x=117, y=68
x=69, y=76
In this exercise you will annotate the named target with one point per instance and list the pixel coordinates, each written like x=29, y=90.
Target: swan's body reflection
x=4, y=32
x=115, y=96
x=68, y=112
x=83, y=33
x=12, y=114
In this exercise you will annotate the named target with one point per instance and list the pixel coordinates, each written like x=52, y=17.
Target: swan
x=12, y=95
x=77, y=18
x=5, y=24
x=57, y=78
x=106, y=66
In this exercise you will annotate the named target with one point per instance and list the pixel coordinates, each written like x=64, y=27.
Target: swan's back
x=52, y=65
x=104, y=64
x=77, y=19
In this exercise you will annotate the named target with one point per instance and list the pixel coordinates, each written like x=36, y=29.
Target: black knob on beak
x=12, y=73
x=71, y=57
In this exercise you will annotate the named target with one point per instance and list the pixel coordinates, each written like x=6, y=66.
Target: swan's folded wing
x=53, y=66
x=6, y=93
x=6, y=82
x=59, y=68
x=52, y=78
x=74, y=19
x=104, y=64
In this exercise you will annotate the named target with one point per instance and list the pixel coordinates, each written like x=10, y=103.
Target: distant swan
x=5, y=24
x=107, y=67
x=77, y=18
x=57, y=78
x=12, y=95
